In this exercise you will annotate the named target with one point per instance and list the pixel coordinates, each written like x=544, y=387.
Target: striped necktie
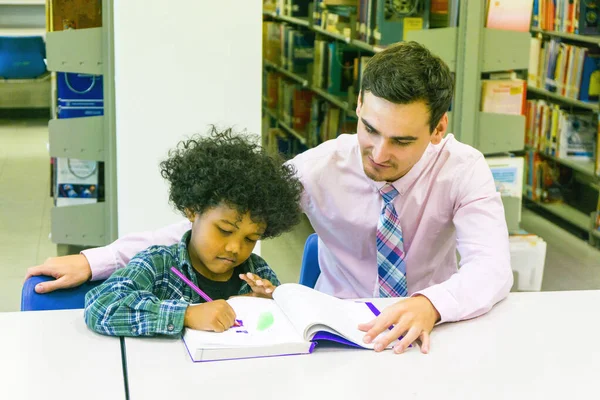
x=391, y=268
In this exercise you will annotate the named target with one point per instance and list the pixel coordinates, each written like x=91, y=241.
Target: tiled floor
x=25, y=224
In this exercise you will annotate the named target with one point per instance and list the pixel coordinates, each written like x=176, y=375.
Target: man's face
x=393, y=137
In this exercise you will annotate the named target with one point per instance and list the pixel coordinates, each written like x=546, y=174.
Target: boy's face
x=222, y=239
x=393, y=137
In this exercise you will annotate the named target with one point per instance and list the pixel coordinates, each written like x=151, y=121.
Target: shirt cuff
x=445, y=304
x=171, y=314
x=102, y=262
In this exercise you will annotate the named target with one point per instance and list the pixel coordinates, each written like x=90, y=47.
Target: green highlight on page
x=265, y=320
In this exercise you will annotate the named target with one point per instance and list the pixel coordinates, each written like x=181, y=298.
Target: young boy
x=234, y=194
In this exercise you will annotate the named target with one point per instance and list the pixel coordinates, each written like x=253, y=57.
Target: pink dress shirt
x=447, y=202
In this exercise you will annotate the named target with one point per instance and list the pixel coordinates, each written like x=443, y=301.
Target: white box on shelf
x=527, y=258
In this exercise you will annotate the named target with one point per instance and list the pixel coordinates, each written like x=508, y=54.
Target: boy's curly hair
x=225, y=167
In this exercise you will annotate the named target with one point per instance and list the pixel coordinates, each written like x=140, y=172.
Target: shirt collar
x=185, y=264
x=404, y=183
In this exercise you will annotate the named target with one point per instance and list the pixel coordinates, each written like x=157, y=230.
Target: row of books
x=313, y=118
x=376, y=22
x=560, y=133
x=542, y=178
x=567, y=16
x=330, y=65
x=338, y=68
x=567, y=70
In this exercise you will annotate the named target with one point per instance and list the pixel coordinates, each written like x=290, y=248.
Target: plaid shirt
x=146, y=298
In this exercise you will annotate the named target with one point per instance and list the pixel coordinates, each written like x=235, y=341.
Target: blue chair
x=310, y=271
x=65, y=299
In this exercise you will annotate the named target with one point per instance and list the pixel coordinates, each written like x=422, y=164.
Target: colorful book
x=511, y=15
x=292, y=323
x=504, y=96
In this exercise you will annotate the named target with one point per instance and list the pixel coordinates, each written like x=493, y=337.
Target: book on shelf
x=297, y=52
x=341, y=67
x=566, y=16
x=511, y=15
x=564, y=69
x=294, y=322
x=560, y=133
x=506, y=96
x=443, y=13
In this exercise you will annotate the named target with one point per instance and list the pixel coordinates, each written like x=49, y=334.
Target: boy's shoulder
x=157, y=253
x=256, y=263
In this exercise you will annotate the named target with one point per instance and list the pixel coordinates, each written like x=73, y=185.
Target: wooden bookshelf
x=304, y=82
x=569, y=36
x=563, y=100
x=337, y=36
x=301, y=80
x=584, y=167
x=566, y=212
x=286, y=127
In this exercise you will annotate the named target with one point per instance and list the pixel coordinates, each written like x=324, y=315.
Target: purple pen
x=198, y=290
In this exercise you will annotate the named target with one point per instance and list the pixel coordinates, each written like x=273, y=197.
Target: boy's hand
x=69, y=271
x=217, y=316
x=260, y=287
x=414, y=318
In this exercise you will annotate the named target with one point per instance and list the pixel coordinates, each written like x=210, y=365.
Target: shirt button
x=402, y=192
x=133, y=330
x=170, y=327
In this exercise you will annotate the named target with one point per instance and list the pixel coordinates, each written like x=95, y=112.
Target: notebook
x=292, y=323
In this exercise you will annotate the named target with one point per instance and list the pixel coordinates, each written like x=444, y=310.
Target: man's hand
x=414, y=318
x=69, y=271
x=260, y=287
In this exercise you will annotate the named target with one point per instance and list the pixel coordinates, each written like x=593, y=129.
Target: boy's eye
x=251, y=240
x=369, y=129
x=223, y=231
x=403, y=143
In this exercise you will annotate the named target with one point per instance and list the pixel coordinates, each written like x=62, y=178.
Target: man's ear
x=440, y=130
x=358, y=104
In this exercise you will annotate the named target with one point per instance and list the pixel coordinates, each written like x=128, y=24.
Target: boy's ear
x=190, y=215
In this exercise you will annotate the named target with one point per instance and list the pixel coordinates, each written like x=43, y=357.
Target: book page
x=311, y=311
x=263, y=323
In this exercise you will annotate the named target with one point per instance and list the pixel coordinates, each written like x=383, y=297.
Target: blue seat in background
x=310, y=271
x=22, y=57
x=65, y=299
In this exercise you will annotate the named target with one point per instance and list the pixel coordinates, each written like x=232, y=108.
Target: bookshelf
x=583, y=167
x=563, y=100
x=286, y=127
x=564, y=66
x=565, y=212
x=569, y=36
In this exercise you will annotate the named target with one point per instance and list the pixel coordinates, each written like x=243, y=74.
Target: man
x=391, y=205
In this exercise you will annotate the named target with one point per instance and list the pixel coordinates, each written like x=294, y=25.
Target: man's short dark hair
x=407, y=72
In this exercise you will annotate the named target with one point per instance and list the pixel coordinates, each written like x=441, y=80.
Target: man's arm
x=485, y=276
x=101, y=262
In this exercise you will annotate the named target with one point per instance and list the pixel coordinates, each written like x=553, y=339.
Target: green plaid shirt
x=146, y=298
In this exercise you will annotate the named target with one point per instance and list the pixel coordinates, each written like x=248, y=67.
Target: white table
x=52, y=355
x=530, y=346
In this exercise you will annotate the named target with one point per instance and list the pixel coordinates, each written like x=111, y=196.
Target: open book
x=292, y=323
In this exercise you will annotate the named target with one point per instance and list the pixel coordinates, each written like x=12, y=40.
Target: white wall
x=179, y=66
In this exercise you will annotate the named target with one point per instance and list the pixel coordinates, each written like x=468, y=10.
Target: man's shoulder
x=331, y=148
x=457, y=152
x=326, y=154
